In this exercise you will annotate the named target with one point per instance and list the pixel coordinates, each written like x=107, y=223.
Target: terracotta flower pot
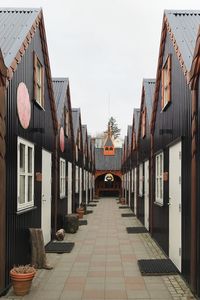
x=80, y=212
x=21, y=282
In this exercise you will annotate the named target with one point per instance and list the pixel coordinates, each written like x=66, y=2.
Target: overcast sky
x=106, y=48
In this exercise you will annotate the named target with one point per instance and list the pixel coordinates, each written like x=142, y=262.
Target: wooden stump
x=38, y=255
x=71, y=223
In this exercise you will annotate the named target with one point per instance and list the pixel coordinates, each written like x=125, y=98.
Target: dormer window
x=166, y=83
x=38, y=81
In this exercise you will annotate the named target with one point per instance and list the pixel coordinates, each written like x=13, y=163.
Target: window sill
x=158, y=204
x=39, y=105
x=25, y=210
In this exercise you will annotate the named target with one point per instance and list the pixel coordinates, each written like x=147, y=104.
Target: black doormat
x=125, y=206
x=136, y=229
x=88, y=212
x=157, y=267
x=92, y=205
x=128, y=215
x=82, y=222
x=59, y=247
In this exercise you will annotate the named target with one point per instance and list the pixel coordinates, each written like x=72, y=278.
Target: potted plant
x=80, y=211
x=21, y=277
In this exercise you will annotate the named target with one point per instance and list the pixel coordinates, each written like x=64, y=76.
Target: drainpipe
x=193, y=261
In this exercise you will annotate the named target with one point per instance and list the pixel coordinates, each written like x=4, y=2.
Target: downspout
x=193, y=261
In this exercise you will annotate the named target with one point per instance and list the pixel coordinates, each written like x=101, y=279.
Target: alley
x=103, y=263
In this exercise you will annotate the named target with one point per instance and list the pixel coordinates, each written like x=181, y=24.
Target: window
x=141, y=180
x=134, y=141
x=77, y=179
x=106, y=149
x=67, y=122
x=62, y=178
x=144, y=122
x=166, y=83
x=38, y=81
x=25, y=174
x=111, y=148
x=159, y=178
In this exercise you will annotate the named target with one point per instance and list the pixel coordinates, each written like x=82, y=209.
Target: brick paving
x=103, y=264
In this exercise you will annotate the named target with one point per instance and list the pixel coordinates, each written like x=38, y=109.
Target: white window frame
x=159, y=167
x=141, y=179
x=62, y=178
x=26, y=174
x=77, y=180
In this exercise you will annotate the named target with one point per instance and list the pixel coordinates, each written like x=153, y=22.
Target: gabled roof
x=18, y=26
x=60, y=86
x=15, y=24
x=75, y=121
x=109, y=163
x=183, y=27
x=109, y=142
x=149, y=88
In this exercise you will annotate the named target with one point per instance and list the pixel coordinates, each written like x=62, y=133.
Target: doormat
x=136, y=229
x=150, y=267
x=125, y=206
x=128, y=215
x=59, y=247
x=88, y=212
x=95, y=201
x=92, y=205
x=82, y=222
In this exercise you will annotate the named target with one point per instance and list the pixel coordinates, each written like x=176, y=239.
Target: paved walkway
x=103, y=264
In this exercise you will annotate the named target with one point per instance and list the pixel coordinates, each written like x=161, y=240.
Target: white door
x=80, y=186
x=146, y=194
x=175, y=204
x=69, y=188
x=135, y=190
x=46, y=196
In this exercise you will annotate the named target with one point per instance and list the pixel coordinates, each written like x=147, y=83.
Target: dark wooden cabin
x=30, y=121
x=124, y=169
x=108, y=168
x=174, y=144
x=78, y=167
x=65, y=147
x=93, y=167
x=144, y=150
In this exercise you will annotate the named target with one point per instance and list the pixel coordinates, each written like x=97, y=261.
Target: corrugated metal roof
x=185, y=25
x=136, y=121
x=108, y=162
x=149, y=88
x=60, y=86
x=75, y=120
x=15, y=23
